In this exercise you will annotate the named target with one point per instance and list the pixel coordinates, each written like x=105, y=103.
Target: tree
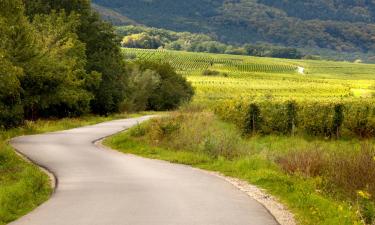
x=171, y=91
x=16, y=47
x=55, y=83
x=142, y=85
x=103, y=55
x=11, y=111
x=142, y=40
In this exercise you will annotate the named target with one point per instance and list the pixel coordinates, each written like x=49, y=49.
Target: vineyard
x=189, y=63
x=245, y=77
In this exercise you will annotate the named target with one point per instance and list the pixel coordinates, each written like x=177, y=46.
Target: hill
x=112, y=16
x=343, y=26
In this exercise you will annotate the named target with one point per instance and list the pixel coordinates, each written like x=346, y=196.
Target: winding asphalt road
x=102, y=187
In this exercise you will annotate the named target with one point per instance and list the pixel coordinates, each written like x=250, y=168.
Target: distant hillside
x=112, y=16
x=345, y=26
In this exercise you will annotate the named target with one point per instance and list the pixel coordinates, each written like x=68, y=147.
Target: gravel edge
x=281, y=213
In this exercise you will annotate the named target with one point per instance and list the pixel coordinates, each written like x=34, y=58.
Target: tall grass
x=201, y=134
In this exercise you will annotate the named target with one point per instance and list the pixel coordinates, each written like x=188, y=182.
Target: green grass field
x=245, y=76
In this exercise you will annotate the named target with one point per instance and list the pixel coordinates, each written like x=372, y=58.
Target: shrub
x=172, y=89
x=338, y=119
x=141, y=85
x=253, y=119
x=210, y=72
x=310, y=162
x=360, y=118
x=196, y=131
x=354, y=171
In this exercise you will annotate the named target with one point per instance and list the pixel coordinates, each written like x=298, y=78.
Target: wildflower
x=364, y=194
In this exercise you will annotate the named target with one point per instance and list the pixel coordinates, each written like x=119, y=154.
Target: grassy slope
x=304, y=196
x=24, y=186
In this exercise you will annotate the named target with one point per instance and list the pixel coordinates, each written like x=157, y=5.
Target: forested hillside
x=344, y=26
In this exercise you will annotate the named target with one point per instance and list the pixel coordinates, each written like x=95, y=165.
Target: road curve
x=101, y=187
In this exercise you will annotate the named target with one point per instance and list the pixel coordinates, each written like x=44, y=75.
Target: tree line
x=59, y=59
x=154, y=38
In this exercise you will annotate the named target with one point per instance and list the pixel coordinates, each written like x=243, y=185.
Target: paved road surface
x=103, y=187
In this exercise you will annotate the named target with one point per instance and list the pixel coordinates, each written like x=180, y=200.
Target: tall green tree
x=102, y=51
x=55, y=83
x=11, y=111
x=16, y=46
x=44, y=61
x=104, y=56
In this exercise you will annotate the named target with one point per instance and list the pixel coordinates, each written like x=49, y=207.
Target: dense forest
x=342, y=26
x=59, y=59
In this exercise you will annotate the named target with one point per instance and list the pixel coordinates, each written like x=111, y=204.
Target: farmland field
x=219, y=77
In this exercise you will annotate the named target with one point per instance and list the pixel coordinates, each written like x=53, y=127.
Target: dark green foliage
x=210, y=72
x=338, y=119
x=102, y=53
x=11, y=111
x=252, y=120
x=141, y=86
x=154, y=38
x=57, y=62
x=271, y=51
x=53, y=85
x=36, y=7
x=349, y=10
x=16, y=48
x=343, y=26
x=361, y=119
x=329, y=119
x=104, y=56
x=291, y=111
x=171, y=90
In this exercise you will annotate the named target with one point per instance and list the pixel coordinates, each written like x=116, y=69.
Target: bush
x=170, y=91
x=192, y=131
x=354, y=171
x=253, y=119
x=210, y=73
x=141, y=86
x=310, y=162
